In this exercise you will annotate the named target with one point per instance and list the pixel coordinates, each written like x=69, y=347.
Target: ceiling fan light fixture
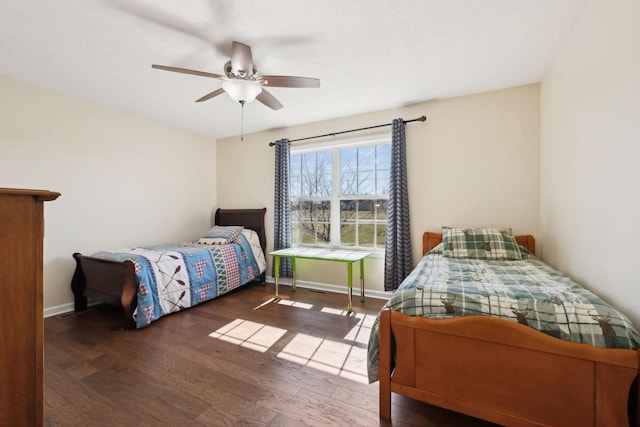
x=243, y=85
x=242, y=90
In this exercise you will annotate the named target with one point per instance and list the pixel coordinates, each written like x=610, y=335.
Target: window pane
x=366, y=158
x=295, y=188
x=348, y=160
x=307, y=233
x=323, y=163
x=322, y=223
x=366, y=183
x=348, y=234
x=309, y=163
x=323, y=211
x=348, y=184
x=348, y=210
x=295, y=232
x=365, y=235
x=381, y=235
x=381, y=210
x=383, y=158
x=307, y=186
x=295, y=165
x=323, y=233
x=324, y=186
x=295, y=212
x=366, y=209
x=382, y=183
x=305, y=210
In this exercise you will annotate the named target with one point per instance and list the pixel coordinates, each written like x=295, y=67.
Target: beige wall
x=590, y=149
x=475, y=162
x=124, y=180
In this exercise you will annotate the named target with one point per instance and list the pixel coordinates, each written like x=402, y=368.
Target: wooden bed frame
x=115, y=282
x=505, y=372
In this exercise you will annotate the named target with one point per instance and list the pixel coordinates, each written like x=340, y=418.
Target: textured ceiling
x=368, y=54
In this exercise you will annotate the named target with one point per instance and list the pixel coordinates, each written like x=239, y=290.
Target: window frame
x=334, y=148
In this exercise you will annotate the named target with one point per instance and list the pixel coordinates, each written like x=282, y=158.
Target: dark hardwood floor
x=239, y=360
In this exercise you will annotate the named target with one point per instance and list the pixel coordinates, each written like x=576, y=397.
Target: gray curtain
x=397, y=252
x=282, y=206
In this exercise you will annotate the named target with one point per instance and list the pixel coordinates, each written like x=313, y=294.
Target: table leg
x=349, y=285
x=276, y=273
x=362, y=280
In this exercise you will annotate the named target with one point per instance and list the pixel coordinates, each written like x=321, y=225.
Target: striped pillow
x=220, y=235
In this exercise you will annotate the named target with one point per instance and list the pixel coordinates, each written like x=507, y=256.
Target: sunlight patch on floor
x=296, y=304
x=253, y=335
x=336, y=358
x=346, y=358
x=335, y=311
x=361, y=331
x=287, y=302
x=267, y=302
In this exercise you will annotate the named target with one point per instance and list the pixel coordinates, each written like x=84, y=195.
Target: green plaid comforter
x=527, y=291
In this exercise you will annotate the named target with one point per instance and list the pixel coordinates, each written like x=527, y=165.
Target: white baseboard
x=58, y=309
x=66, y=308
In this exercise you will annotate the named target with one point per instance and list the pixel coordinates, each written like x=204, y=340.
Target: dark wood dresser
x=21, y=306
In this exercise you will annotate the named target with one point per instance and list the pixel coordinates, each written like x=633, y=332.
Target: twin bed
x=481, y=337
x=153, y=281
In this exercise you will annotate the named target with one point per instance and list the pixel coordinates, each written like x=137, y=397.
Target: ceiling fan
x=242, y=81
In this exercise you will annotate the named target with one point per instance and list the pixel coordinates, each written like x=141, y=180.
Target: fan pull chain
x=242, y=121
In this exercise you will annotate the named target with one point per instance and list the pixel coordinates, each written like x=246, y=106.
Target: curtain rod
x=419, y=119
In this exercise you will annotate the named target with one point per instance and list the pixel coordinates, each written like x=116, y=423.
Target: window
x=339, y=194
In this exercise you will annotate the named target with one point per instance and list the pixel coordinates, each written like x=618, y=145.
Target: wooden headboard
x=430, y=240
x=253, y=219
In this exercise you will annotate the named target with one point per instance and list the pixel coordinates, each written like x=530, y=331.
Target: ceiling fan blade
x=290, y=81
x=152, y=13
x=241, y=59
x=187, y=71
x=211, y=95
x=269, y=100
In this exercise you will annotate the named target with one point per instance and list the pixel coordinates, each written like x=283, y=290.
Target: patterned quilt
x=527, y=291
x=171, y=278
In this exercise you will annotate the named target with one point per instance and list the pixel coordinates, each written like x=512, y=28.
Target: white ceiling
x=368, y=54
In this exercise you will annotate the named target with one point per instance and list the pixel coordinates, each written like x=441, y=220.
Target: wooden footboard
x=505, y=372
x=107, y=281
